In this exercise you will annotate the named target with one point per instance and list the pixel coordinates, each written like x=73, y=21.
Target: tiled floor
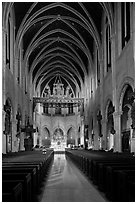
x=66, y=183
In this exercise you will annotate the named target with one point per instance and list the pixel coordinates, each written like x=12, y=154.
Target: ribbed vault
x=59, y=39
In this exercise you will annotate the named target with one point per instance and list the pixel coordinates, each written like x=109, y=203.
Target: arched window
x=46, y=140
x=108, y=46
x=8, y=43
x=125, y=23
x=98, y=68
x=127, y=119
x=8, y=125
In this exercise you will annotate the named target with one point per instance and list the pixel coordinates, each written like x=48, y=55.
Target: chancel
x=68, y=101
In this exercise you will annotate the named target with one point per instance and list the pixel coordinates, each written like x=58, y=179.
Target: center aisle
x=66, y=183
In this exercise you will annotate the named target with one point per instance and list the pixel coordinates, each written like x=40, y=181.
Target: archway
x=126, y=119
x=18, y=135
x=79, y=136
x=8, y=125
x=99, y=127
x=58, y=140
x=46, y=139
x=110, y=126
x=71, y=137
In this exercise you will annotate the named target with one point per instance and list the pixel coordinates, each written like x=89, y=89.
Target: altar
x=58, y=141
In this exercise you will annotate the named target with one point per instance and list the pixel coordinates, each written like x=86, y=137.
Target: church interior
x=68, y=101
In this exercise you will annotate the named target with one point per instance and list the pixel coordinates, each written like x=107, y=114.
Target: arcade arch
x=71, y=136
x=18, y=124
x=46, y=137
x=110, y=126
x=127, y=105
x=8, y=125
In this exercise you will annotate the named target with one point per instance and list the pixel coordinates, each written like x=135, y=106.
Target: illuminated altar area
x=58, y=142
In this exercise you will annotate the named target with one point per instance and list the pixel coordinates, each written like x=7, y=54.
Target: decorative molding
x=54, y=101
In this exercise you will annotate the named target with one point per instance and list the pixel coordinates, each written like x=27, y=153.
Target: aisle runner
x=66, y=183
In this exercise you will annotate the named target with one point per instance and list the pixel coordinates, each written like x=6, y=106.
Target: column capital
x=118, y=113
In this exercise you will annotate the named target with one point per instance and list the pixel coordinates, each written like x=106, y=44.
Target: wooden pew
x=24, y=178
x=35, y=166
x=102, y=177
x=22, y=169
x=39, y=165
x=39, y=161
x=126, y=186
x=112, y=179
x=131, y=190
x=99, y=170
x=12, y=191
x=47, y=163
x=94, y=164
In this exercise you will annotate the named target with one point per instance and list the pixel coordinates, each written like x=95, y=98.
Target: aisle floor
x=66, y=183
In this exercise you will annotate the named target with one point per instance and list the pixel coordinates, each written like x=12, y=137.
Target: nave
x=65, y=183
x=70, y=176
x=68, y=83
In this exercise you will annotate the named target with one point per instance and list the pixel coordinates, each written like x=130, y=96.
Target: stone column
x=99, y=124
x=22, y=148
x=66, y=110
x=117, y=127
x=41, y=108
x=76, y=141
x=40, y=140
x=101, y=141
x=3, y=87
x=104, y=132
x=82, y=133
x=133, y=124
x=3, y=63
x=38, y=108
x=65, y=139
x=132, y=144
x=113, y=60
x=14, y=147
x=3, y=135
x=116, y=114
x=34, y=125
x=35, y=135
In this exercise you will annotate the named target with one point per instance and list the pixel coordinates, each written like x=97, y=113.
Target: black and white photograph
x=68, y=101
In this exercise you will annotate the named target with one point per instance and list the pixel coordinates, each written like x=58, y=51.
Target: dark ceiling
x=58, y=39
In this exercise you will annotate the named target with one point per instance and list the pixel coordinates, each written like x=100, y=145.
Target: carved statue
x=67, y=91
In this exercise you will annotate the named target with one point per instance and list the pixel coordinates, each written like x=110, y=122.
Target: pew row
x=14, y=195
x=106, y=170
x=29, y=171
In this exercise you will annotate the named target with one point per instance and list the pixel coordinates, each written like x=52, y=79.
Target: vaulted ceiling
x=58, y=39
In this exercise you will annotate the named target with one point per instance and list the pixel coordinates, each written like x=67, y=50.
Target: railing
x=57, y=114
